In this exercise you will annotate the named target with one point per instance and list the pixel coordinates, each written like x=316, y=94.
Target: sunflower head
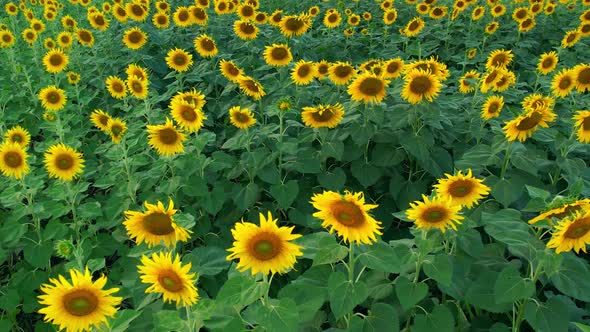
x=547, y=62
x=571, y=233
x=295, y=25
x=205, y=46
x=100, y=119
x=462, y=189
x=303, y=72
x=332, y=19
x=52, y=98
x=437, y=212
x=134, y=38
x=230, y=70
x=328, y=116
x=13, y=160
x=340, y=73
x=389, y=16
x=245, y=30
x=563, y=83
x=116, y=129
x=570, y=39
x=166, y=139
x=251, y=87
x=492, y=107
x=63, y=162
x=18, y=135
x=368, y=88
x=277, y=55
x=85, y=37
x=241, y=118
x=137, y=87
x=499, y=59
x=188, y=115
x=420, y=85
x=582, y=123
x=116, y=87
x=55, y=61
x=179, y=60
x=525, y=125
x=582, y=77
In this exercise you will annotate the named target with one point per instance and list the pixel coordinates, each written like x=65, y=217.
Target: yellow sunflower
x=437, y=212
x=389, y=16
x=295, y=25
x=161, y=20
x=393, y=68
x=135, y=70
x=116, y=87
x=525, y=125
x=275, y=18
x=182, y=17
x=251, y=87
x=230, y=70
x=489, y=80
x=55, y=61
x=85, y=37
x=52, y=98
x=563, y=210
x=563, y=83
x=582, y=77
x=13, y=160
x=245, y=30
x=492, y=27
x=137, y=87
x=507, y=78
x=332, y=19
x=120, y=13
x=18, y=135
x=246, y=11
x=368, y=88
x=98, y=21
x=166, y=139
x=63, y=162
x=264, y=249
x=241, y=118
x=340, y=73
x=179, y=60
x=205, y=46
x=79, y=305
x=438, y=12
x=167, y=276
x=353, y=20
x=520, y=14
x=199, y=15
x=29, y=35
x=73, y=77
x=6, y=38
x=571, y=233
x=420, y=85
x=347, y=215
x=303, y=72
x=116, y=129
x=466, y=82
x=532, y=101
x=492, y=107
x=570, y=39
x=582, y=124
x=187, y=115
x=414, y=27
x=430, y=65
x=328, y=116
x=498, y=10
x=499, y=59
x=547, y=62
x=136, y=11
x=156, y=225
x=193, y=97
x=462, y=189
x=100, y=119
x=277, y=55
x=322, y=69
x=134, y=38
x=471, y=53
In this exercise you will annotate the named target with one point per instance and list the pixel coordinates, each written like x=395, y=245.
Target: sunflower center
x=168, y=136
x=80, y=302
x=578, y=229
x=241, y=117
x=136, y=87
x=116, y=130
x=565, y=83
x=584, y=76
x=348, y=213
x=332, y=18
x=413, y=26
x=189, y=114
x=135, y=37
x=322, y=69
x=199, y=13
x=99, y=20
x=547, y=63
x=137, y=10
x=437, y=12
x=55, y=59
x=170, y=281
x=85, y=36
x=53, y=97
x=434, y=214
x=491, y=77
x=499, y=60
x=460, y=188
x=121, y=12
x=162, y=20
x=64, y=161
x=247, y=11
x=322, y=115
x=530, y=121
x=6, y=38
x=265, y=246
x=420, y=85
x=371, y=86
x=207, y=44
x=493, y=108
x=571, y=38
x=390, y=16
x=303, y=71
x=279, y=53
x=520, y=14
x=180, y=59
x=586, y=123
x=247, y=28
x=342, y=71
x=250, y=85
x=13, y=159
x=17, y=138
x=183, y=16
x=118, y=87
x=585, y=28
x=293, y=24
x=158, y=223
x=232, y=70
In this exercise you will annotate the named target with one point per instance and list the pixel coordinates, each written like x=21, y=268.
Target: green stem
x=351, y=261
x=506, y=159
x=280, y=161
x=72, y=203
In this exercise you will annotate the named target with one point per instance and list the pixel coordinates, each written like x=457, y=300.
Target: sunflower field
x=265, y=165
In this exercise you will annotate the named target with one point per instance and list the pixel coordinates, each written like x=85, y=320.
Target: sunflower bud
x=64, y=248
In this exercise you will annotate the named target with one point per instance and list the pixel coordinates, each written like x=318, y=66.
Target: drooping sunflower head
x=187, y=115
x=471, y=53
x=205, y=46
x=166, y=139
x=525, y=125
x=414, y=27
x=563, y=83
x=264, y=248
x=116, y=128
x=85, y=37
x=582, y=77
x=55, y=61
x=340, y=73
x=167, y=275
x=13, y=160
x=535, y=100
x=499, y=59
x=303, y=72
x=230, y=70
x=179, y=60
x=328, y=116
x=570, y=39
x=135, y=70
x=18, y=135
x=561, y=209
x=547, y=62
x=295, y=25
x=582, y=124
x=571, y=233
x=63, y=162
x=100, y=119
x=462, y=189
x=347, y=215
x=78, y=305
x=251, y=87
x=420, y=85
x=468, y=82
x=368, y=88
x=52, y=98
x=277, y=55
x=241, y=118
x=116, y=87
x=134, y=38
x=492, y=107
x=245, y=30
x=437, y=212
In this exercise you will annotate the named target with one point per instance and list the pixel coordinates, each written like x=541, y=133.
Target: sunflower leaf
x=345, y=294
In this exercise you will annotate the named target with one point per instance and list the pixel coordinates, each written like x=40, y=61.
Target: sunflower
x=11, y=9
x=414, y=27
x=303, y=72
x=347, y=215
x=328, y=116
x=116, y=129
x=29, y=35
x=389, y=16
x=188, y=115
x=79, y=305
x=393, y=68
x=179, y=60
x=471, y=53
x=116, y=87
x=55, y=61
x=462, y=189
x=63, y=162
x=490, y=79
x=135, y=70
x=571, y=233
x=498, y=10
x=585, y=16
x=155, y=225
x=438, y=12
x=251, y=87
x=313, y=11
x=245, y=30
x=466, y=81
x=295, y=25
x=85, y=37
x=525, y=125
x=492, y=27
x=199, y=15
x=368, y=88
x=340, y=73
x=230, y=70
x=137, y=87
x=136, y=11
x=275, y=18
x=563, y=83
x=492, y=107
x=549, y=9
x=322, y=69
x=437, y=212
x=73, y=77
x=582, y=77
x=547, y=62
x=163, y=6
x=563, y=210
x=277, y=55
x=353, y=20
x=120, y=13
x=348, y=32
x=386, y=5
x=18, y=135
x=499, y=59
x=265, y=248
x=6, y=38
x=520, y=14
x=161, y=20
x=241, y=118
x=166, y=275
x=246, y=12
x=13, y=159
x=68, y=22
x=52, y=98
x=98, y=21
x=205, y=46
x=134, y=38
x=507, y=78
x=37, y=25
x=582, y=124
x=221, y=7
x=478, y=13
x=100, y=119
x=584, y=29
x=419, y=85
x=570, y=39
x=332, y=19
x=536, y=8
x=535, y=100
x=430, y=65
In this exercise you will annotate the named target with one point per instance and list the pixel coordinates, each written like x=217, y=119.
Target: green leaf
x=333, y=179
x=537, y=193
x=505, y=192
x=208, y=260
x=247, y=196
x=279, y=315
x=551, y=316
x=511, y=287
x=481, y=294
x=366, y=174
x=38, y=255
x=410, y=293
x=507, y=227
x=439, y=269
x=241, y=290
x=572, y=277
x=330, y=252
x=168, y=320
x=123, y=319
x=285, y=193
x=309, y=291
x=381, y=317
x=385, y=257
x=441, y=320
x=344, y=294
x=582, y=327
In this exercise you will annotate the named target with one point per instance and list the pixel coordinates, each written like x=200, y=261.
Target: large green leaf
x=285, y=193
x=511, y=287
x=241, y=290
x=279, y=315
x=439, y=268
x=208, y=260
x=410, y=293
x=382, y=317
x=330, y=252
x=344, y=294
x=572, y=278
x=551, y=316
x=440, y=319
x=385, y=257
x=481, y=293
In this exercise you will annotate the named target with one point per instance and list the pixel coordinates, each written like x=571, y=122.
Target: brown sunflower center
x=232, y=70
x=170, y=281
x=13, y=159
x=117, y=87
x=251, y=85
x=17, y=138
x=342, y=71
x=121, y=12
x=158, y=223
x=585, y=28
x=584, y=76
x=493, y=108
x=348, y=213
x=322, y=69
x=322, y=115
x=116, y=130
x=371, y=86
x=64, y=161
x=434, y=214
x=183, y=16
x=303, y=71
x=547, y=63
x=530, y=121
x=53, y=97
x=247, y=11
x=207, y=45
x=571, y=37
x=103, y=119
x=221, y=6
x=390, y=16
x=56, y=59
x=279, y=53
x=85, y=36
x=520, y=14
x=162, y=20
x=354, y=20
x=180, y=59
x=99, y=20
x=565, y=83
x=498, y=9
x=199, y=14
x=499, y=60
x=276, y=17
x=65, y=39
x=247, y=28
x=135, y=37
x=137, y=10
x=80, y=302
x=241, y=117
x=420, y=85
x=413, y=26
x=293, y=24
x=460, y=188
x=437, y=12
x=265, y=246
x=188, y=113
x=333, y=18
x=168, y=136
x=578, y=229
x=6, y=38
x=136, y=87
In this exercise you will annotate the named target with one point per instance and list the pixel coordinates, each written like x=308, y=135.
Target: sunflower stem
x=29, y=206
x=72, y=202
x=351, y=261
x=188, y=318
x=506, y=158
x=267, y=282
